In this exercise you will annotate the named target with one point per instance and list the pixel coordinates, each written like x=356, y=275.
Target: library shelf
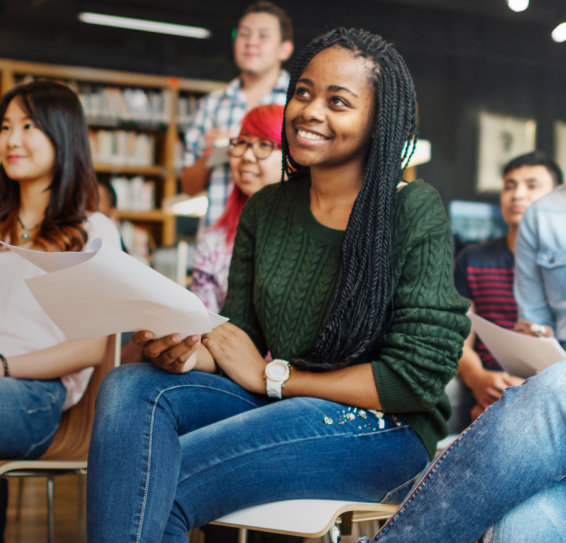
x=155, y=215
x=162, y=171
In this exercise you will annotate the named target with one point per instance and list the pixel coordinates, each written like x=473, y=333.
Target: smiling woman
x=346, y=280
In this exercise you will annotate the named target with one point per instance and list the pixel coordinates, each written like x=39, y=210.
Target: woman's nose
x=314, y=111
x=249, y=155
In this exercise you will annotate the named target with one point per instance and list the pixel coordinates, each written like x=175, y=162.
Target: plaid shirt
x=223, y=109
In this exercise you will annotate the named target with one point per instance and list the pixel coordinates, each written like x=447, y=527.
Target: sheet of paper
x=518, y=354
x=105, y=291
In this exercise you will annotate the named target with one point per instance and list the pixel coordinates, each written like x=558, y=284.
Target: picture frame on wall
x=501, y=138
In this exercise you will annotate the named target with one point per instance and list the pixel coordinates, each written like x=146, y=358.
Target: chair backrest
x=73, y=437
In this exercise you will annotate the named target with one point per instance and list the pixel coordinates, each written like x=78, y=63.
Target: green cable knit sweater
x=284, y=272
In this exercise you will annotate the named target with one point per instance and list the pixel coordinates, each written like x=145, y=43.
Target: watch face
x=277, y=371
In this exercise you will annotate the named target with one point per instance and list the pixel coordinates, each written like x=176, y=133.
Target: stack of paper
x=105, y=291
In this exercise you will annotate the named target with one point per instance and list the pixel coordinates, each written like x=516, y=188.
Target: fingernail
x=147, y=335
x=176, y=339
x=195, y=338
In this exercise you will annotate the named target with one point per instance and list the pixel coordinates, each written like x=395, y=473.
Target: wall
x=461, y=62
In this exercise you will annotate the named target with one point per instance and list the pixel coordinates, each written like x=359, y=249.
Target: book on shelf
x=122, y=147
x=126, y=104
x=137, y=239
x=134, y=194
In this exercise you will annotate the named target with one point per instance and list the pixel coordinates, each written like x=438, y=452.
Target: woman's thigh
x=30, y=413
x=297, y=448
x=540, y=519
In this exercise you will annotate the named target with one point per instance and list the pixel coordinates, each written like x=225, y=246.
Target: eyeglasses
x=260, y=148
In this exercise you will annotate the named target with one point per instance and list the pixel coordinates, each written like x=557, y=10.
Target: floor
x=31, y=525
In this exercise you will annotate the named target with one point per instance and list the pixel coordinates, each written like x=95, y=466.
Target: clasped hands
x=227, y=345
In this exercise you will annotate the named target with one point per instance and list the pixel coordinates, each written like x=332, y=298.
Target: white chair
x=306, y=518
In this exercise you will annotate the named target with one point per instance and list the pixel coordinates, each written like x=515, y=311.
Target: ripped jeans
x=173, y=452
x=505, y=474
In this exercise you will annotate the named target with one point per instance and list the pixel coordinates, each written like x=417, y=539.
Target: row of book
x=137, y=239
x=134, y=194
x=126, y=104
x=122, y=147
x=104, y=104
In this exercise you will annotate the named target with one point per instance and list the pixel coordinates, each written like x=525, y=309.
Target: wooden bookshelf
x=165, y=172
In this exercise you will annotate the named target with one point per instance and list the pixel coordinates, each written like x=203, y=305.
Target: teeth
x=310, y=135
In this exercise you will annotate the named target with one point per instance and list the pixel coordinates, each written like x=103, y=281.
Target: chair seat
x=24, y=466
x=303, y=518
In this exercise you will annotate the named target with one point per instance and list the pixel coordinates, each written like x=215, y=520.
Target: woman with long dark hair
x=344, y=274
x=48, y=198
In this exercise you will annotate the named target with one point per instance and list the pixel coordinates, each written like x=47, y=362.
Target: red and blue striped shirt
x=484, y=274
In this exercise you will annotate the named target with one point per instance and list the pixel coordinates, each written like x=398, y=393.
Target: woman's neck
x=34, y=197
x=333, y=193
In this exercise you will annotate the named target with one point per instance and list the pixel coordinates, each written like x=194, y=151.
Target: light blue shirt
x=540, y=263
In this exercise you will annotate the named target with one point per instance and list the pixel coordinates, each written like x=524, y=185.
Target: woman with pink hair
x=255, y=161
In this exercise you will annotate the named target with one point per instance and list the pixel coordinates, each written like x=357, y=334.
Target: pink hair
x=263, y=122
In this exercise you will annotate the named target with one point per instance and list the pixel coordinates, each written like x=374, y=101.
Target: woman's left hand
x=532, y=329
x=237, y=355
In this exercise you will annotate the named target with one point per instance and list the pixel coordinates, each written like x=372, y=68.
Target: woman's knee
x=124, y=387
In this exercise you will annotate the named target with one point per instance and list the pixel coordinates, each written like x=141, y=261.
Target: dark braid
x=362, y=306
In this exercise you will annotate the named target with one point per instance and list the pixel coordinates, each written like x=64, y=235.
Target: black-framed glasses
x=260, y=148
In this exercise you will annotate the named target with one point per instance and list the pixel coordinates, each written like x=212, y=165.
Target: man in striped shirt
x=264, y=39
x=484, y=274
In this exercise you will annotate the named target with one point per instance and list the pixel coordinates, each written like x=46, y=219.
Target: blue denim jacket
x=540, y=262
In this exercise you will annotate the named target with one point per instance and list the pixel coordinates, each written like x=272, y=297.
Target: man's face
x=521, y=188
x=258, y=47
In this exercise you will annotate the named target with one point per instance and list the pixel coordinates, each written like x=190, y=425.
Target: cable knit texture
x=282, y=281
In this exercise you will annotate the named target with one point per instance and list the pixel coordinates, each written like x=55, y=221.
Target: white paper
x=105, y=291
x=519, y=355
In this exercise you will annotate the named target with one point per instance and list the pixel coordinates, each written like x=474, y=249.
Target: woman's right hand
x=170, y=353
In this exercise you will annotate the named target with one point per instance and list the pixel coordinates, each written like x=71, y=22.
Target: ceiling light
x=518, y=5
x=147, y=26
x=559, y=33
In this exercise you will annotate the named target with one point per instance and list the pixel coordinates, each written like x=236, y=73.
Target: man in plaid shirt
x=264, y=40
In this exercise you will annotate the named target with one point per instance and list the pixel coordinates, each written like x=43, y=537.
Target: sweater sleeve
x=239, y=304
x=421, y=347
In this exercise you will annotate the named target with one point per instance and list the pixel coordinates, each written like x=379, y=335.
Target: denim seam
x=156, y=401
x=35, y=445
x=422, y=483
x=275, y=445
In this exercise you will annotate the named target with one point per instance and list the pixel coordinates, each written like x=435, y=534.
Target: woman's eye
x=337, y=101
x=28, y=126
x=265, y=144
x=301, y=92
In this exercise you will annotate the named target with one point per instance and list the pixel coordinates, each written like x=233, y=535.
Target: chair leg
x=243, y=535
x=82, y=516
x=19, y=498
x=333, y=535
x=50, y=510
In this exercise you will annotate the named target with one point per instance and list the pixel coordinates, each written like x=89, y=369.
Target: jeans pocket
x=397, y=495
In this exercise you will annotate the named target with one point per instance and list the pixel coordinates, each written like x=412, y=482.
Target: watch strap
x=274, y=389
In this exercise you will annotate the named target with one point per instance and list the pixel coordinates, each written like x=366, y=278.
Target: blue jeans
x=173, y=452
x=507, y=471
x=30, y=413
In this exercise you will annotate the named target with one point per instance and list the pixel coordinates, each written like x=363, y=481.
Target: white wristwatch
x=275, y=375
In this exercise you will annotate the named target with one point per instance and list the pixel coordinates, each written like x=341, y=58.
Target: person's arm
x=195, y=178
x=487, y=386
x=529, y=282
x=58, y=361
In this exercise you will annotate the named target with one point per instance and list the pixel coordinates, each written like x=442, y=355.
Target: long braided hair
x=362, y=305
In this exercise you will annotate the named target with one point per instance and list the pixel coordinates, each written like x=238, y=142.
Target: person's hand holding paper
x=105, y=291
